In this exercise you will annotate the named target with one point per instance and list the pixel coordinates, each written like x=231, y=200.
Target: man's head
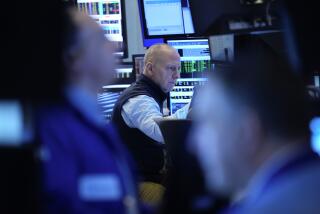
x=162, y=65
x=248, y=111
x=88, y=55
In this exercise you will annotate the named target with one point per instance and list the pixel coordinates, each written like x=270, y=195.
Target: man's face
x=96, y=60
x=166, y=69
x=218, y=140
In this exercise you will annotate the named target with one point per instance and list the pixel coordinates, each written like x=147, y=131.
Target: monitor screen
x=182, y=93
x=175, y=18
x=138, y=64
x=108, y=97
x=147, y=42
x=195, y=56
x=11, y=124
x=315, y=134
x=222, y=48
x=110, y=16
x=124, y=74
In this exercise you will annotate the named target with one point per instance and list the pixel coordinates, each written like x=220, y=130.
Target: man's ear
x=149, y=69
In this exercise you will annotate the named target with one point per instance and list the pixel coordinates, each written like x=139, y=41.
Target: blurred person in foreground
x=85, y=168
x=252, y=137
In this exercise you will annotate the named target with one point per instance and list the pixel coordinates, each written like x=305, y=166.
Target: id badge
x=100, y=187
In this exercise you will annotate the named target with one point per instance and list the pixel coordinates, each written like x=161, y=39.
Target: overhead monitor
x=108, y=97
x=163, y=18
x=217, y=17
x=182, y=93
x=147, y=42
x=110, y=15
x=195, y=56
x=138, y=64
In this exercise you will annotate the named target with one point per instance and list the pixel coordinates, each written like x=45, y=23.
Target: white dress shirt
x=143, y=112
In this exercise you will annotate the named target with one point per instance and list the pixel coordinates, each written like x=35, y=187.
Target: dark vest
x=148, y=153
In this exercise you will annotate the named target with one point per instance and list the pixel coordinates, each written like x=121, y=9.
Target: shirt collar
x=85, y=103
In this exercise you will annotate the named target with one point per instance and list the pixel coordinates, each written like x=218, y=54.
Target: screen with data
x=175, y=17
x=182, y=92
x=109, y=15
x=195, y=56
x=108, y=97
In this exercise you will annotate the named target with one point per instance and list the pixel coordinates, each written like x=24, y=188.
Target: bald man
x=140, y=107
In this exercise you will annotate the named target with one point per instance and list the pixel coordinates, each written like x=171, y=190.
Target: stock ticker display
x=108, y=97
x=195, y=56
x=108, y=15
x=182, y=93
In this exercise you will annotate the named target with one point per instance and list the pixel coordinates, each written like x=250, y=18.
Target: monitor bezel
x=134, y=56
x=187, y=38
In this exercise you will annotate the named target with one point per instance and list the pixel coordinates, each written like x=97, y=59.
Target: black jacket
x=148, y=153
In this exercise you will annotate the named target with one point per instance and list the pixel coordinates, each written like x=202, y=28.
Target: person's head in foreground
x=162, y=65
x=87, y=53
x=248, y=112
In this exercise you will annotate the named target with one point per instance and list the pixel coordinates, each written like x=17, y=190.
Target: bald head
x=156, y=52
x=162, y=65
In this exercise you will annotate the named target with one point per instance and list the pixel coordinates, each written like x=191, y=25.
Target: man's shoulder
x=298, y=192
x=129, y=93
x=140, y=102
x=142, y=97
x=63, y=120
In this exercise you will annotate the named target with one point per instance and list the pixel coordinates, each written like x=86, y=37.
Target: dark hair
x=262, y=80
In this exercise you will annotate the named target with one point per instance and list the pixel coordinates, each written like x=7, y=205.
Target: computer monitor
x=108, y=97
x=138, y=64
x=182, y=93
x=222, y=48
x=163, y=18
x=147, y=42
x=226, y=48
x=315, y=134
x=110, y=15
x=217, y=17
x=124, y=74
x=12, y=123
x=195, y=56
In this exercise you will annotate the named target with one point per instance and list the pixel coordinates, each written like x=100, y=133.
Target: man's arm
x=181, y=113
x=142, y=112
